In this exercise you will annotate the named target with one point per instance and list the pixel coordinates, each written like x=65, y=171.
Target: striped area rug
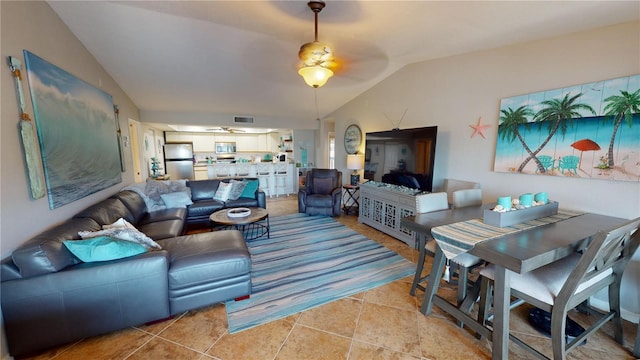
x=310, y=261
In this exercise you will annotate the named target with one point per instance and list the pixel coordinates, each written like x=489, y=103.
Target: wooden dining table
x=519, y=251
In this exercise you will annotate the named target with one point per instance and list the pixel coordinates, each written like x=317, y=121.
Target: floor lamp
x=354, y=162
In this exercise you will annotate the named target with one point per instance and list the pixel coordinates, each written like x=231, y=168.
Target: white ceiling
x=240, y=57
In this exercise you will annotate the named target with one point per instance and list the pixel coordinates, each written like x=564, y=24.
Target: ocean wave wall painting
x=77, y=133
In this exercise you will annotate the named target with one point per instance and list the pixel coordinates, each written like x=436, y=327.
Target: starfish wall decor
x=479, y=128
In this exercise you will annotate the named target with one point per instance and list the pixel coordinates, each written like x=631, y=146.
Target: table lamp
x=354, y=162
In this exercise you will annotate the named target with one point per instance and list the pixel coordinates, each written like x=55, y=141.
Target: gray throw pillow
x=237, y=187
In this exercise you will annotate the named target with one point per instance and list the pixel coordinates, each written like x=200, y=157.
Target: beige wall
x=35, y=27
x=452, y=93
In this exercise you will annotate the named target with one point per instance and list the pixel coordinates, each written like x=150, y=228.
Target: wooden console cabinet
x=383, y=207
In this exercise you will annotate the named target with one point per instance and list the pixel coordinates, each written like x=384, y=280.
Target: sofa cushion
x=45, y=253
x=106, y=211
x=163, y=215
x=103, y=248
x=323, y=185
x=242, y=202
x=203, y=189
x=320, y=200
x=178, y=199
x=134, y=202
x=204, y=208
x=162, y=229
x=206, y=257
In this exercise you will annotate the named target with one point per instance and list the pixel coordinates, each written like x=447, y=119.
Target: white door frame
x=136, y=150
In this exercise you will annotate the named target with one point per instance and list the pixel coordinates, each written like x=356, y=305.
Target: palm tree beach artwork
x=588, y=131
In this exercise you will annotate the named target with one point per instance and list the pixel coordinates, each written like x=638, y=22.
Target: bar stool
x=243, y=169
x=263, y=173
x=221, y=170
x=281, y=171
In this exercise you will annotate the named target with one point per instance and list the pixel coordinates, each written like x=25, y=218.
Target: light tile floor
x=382, y=323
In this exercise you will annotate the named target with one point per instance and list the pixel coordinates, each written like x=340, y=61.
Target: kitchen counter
x=291, y=182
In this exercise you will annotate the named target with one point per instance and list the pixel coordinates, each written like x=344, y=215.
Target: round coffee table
x=252, y=226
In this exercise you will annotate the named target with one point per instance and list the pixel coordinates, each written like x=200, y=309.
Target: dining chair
x=466, y=197
x=564, y=284
x=460, y=199
x=452, y=185
x=426, y=203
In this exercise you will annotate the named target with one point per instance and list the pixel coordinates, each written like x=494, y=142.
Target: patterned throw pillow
x=222, y=194
x=123, y=234
x=119, y=224
x=236, y=189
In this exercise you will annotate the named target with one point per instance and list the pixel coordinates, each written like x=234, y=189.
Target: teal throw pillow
x=103, y=248
x=249, y=191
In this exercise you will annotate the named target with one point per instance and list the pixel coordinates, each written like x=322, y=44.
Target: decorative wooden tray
x=508, y=218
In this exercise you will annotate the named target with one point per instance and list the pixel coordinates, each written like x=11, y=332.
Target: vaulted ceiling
x=240, y=57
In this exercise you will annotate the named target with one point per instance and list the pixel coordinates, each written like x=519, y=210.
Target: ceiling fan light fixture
x=316, y=57
x=315, y=76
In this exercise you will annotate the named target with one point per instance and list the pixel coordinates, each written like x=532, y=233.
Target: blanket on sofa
x=152, y=190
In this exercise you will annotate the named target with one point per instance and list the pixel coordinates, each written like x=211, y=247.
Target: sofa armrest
x=84, y=300
x=262, y=199
x=336, y=194
x=302, y=199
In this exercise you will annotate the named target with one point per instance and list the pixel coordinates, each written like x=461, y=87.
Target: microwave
x=225, y=148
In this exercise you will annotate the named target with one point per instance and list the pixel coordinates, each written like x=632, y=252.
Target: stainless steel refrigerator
x=178, y=160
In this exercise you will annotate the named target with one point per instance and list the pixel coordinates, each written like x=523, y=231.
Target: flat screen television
x=401, y=157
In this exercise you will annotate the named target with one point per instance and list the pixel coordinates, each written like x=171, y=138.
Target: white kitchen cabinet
x=225, y=138
x=261, y=142
x=271, y=142
x=247, y=142
x=178, y=136
x=200, y=173
x=204, y=142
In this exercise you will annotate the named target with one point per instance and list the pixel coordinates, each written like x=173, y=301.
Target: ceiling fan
x=226, y=129
x=357, y=59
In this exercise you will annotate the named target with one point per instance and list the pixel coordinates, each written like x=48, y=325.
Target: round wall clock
x=352, y=139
